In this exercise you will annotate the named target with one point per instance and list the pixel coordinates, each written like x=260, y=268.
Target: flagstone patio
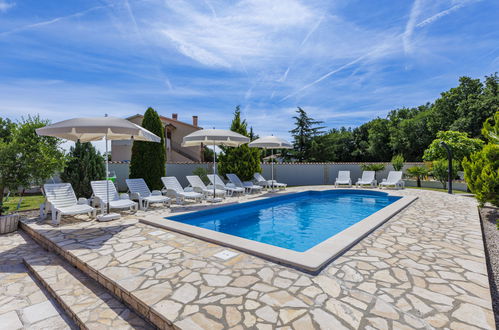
x=424, y=268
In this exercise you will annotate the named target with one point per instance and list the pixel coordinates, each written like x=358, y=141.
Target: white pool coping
x=312, y=260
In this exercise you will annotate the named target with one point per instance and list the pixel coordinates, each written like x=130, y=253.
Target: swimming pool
x=296, y=222
x=305, y=229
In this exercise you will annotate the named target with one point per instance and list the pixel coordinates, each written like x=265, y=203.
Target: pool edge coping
x=313, y=260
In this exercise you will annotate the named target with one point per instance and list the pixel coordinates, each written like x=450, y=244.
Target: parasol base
x=108, y=217
x=214, y=200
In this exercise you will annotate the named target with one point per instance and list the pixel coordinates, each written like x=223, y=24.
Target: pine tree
x=304, y=132
x=149, y=158
x=86, y=164
x=243, y=160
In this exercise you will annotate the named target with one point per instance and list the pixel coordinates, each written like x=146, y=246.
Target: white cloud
x=6, y=5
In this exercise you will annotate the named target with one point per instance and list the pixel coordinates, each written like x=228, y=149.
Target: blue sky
x=344, y=62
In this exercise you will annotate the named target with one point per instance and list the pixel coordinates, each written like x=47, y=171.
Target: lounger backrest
x=138, y=186
x=258, y=177
x=368, y=176
x=344, y=175
x=235, y=180
x=100, y=191
x=195, y=181
x=216, y=180
x=171, y=182
x=60, y=194
x=394, y=176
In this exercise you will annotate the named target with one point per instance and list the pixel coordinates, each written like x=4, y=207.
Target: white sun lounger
x=174, y=189
x=140, y=191
x=62, y=201
x=198, y=185
x=230, y=188
x=248, y=185
x=343, y=179
x=368, y=178
x=394, y=179
x=115, y=202
x=260, y=180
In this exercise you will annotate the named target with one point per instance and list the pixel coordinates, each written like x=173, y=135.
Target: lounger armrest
x=189, y=189
x=384, y=180
x=126, y=196
x=230, y=185
x=156, y=193
x=83, y=201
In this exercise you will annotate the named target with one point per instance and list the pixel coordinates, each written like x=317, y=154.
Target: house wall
x=122, y=150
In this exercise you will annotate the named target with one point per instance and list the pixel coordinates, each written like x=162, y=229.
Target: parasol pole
x=107, y=178
x=214, y=169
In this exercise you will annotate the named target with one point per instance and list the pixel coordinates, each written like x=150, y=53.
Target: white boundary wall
x=294, y=174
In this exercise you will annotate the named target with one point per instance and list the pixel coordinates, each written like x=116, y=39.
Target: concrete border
x=312, y=260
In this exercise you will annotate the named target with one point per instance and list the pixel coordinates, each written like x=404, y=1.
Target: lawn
x=31, y=202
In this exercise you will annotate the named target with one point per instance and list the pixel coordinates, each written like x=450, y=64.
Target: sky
x=344, y=61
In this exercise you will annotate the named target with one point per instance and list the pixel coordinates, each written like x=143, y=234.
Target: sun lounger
x=343, y=179
x=394, y=179
x=368, y=178
x=230, y=188
x=260, y=180
x=140, y=191
x=62, y=200
x=247, y=185
x=174, y=189
x=115, y=201
x=198, y=185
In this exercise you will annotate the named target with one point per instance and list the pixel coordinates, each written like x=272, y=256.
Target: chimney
x=174, y=116
x=195, y=121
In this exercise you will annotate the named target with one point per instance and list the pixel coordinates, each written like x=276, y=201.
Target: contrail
x=414, y=11
x=52, y=21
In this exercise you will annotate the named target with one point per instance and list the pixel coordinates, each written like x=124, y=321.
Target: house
x=175, y=130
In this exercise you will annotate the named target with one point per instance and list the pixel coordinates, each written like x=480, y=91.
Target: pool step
x=87, y=302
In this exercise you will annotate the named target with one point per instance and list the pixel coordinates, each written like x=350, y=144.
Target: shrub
x=398, y=162
x=482, y=174
x=417, y=172
x=149, y=158
x=243, y=160
x=373, y=167
x=440, y=170
x=202, y=173
x=85, y=164
x=25, y=157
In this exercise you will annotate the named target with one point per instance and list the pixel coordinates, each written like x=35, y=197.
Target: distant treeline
x=406, y=131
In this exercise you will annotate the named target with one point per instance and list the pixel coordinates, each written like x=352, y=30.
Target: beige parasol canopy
x=95, y=128
x=214, y=137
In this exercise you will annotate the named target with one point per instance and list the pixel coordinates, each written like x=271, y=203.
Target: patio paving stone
x=424, y=268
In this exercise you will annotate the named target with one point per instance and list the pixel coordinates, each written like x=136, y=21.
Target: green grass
x=454, y=191
x=31, y=202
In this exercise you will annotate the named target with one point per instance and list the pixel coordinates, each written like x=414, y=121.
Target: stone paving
x=24, y=304
x=424, y=268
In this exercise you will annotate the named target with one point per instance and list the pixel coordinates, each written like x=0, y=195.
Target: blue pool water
x=296, y=221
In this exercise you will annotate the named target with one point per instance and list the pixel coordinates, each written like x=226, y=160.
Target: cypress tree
x=85, y=164
x=243, y=160
x=148, y=158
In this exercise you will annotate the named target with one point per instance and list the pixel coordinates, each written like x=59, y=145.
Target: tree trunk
x=419, y=182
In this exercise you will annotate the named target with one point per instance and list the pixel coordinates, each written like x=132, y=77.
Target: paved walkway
x=424, y=268
x=24, y=304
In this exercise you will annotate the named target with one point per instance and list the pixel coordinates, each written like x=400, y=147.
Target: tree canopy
x=306, y=129
x=25, y=157
x=243, y=160
x=149, y=158
x=85, y=164
x=460, y=144
x=404, y=131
